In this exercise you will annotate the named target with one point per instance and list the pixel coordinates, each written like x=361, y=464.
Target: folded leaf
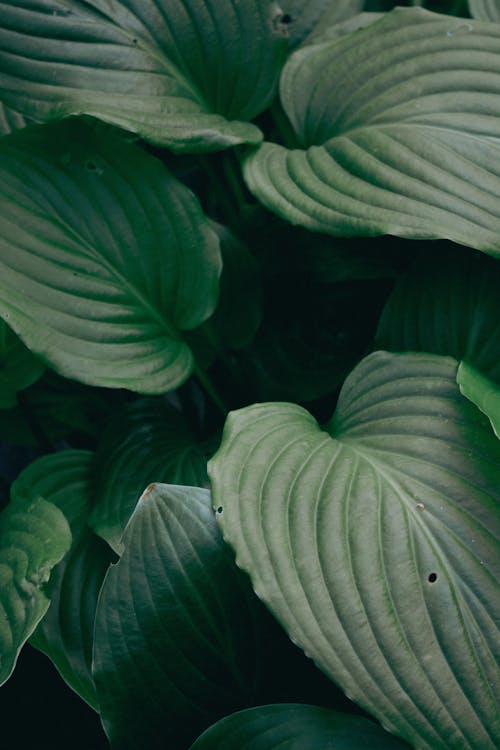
x=375, y=541
x=295, y=726
x=149, y=441
x=18, y=367
x=105, y=258
x=484, y=393
x=181, y=73
x=400, y=128
x=34, y=536
x=487, y=10
x=447, y=304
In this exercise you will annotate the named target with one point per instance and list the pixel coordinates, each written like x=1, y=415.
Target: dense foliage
x=250, y=367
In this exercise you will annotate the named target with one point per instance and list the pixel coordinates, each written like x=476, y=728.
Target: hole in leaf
x=432, y=577
x=219, y=509
x=286, y=18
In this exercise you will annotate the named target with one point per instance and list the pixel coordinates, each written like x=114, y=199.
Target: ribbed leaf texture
x=181, y=73
x=400, y=131
x=305, y=17
x=375, y=542
x=105, y=257
x=487, y=10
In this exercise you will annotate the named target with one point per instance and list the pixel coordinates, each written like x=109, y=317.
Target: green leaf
x=105, y=258
x=179, y=637
x=181, y=73
x=487, y=10
x=375, y=542
x=34, y=537
x=447, y=304
x=306, y=17
x=482, y=392
x=294, y=726
x=149, y=441
x=400, y=131
x=10, y=120
x=18, y=367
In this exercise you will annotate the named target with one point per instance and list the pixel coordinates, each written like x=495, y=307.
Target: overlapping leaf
x=10, y=120
x=105, y=258
x=149, y=442
x=375, y=542
x=400, y=129
x=487, y=10
x=447, y=304
x=482, y=392
x=294, y=727
x=34, y=537
x=181, y=73
x=18, y=367
x=305, y=17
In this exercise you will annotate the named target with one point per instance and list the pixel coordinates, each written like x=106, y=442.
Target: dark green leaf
x=105, y=258
x=447, y=304
x=34, y=536
x=376, y=542
x=294, y=727
x=482, y=392
x=18, y=367
x=181, y=73
x=400, y=131
x=149, y=442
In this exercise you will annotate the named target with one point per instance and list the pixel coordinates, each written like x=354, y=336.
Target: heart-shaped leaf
x=180, y=639
x=181, y=73
x=34, y=536
x=149, y=441
x=400, y=131
x=18, y=367
x=105, y=258
x=295, y=726
x=375, y=542
x=487, y=10
x=482, y=392
x=447, y=304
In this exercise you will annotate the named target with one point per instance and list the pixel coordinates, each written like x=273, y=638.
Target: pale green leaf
x=105, y=257
x=181, y=73
x=448, y=303
x=484, y=393
x=487, y=10
x=19, y=368
x=375, y=542
x=294, y=726
x=149, y=441
x=400, y=131
x=34, y=537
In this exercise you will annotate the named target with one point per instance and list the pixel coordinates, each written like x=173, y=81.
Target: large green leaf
x=305, y=17
x=65, y=633
x=487, y=10
x=18, y=367
x=447, y=304
x=34, y=536
x=105, y=258
x=180, y=639
x=181, y=73
x=400, y=131
x=149, y=441
x=294, y=726
x=482, y=392
x=375, y=542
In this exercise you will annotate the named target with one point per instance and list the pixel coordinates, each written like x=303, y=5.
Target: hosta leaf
x=34, y=537
x=10, y=120
x=294, y=727
x=304, y=17
x=487, y=10
x=18, y=367
x=181, y=73
x=400, y=131
x=105, y=258
x=149, y=442
x=375, y=542
x=180, y=639
x=482, y=392
x=447, y=305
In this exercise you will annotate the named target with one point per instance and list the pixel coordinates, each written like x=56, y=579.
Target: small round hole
x=432, y=577
x=219, y=509
x=286, y=18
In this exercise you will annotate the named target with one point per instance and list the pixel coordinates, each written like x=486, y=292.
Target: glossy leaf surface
x=105, y=258
x=375, y=542
x=399, y=126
